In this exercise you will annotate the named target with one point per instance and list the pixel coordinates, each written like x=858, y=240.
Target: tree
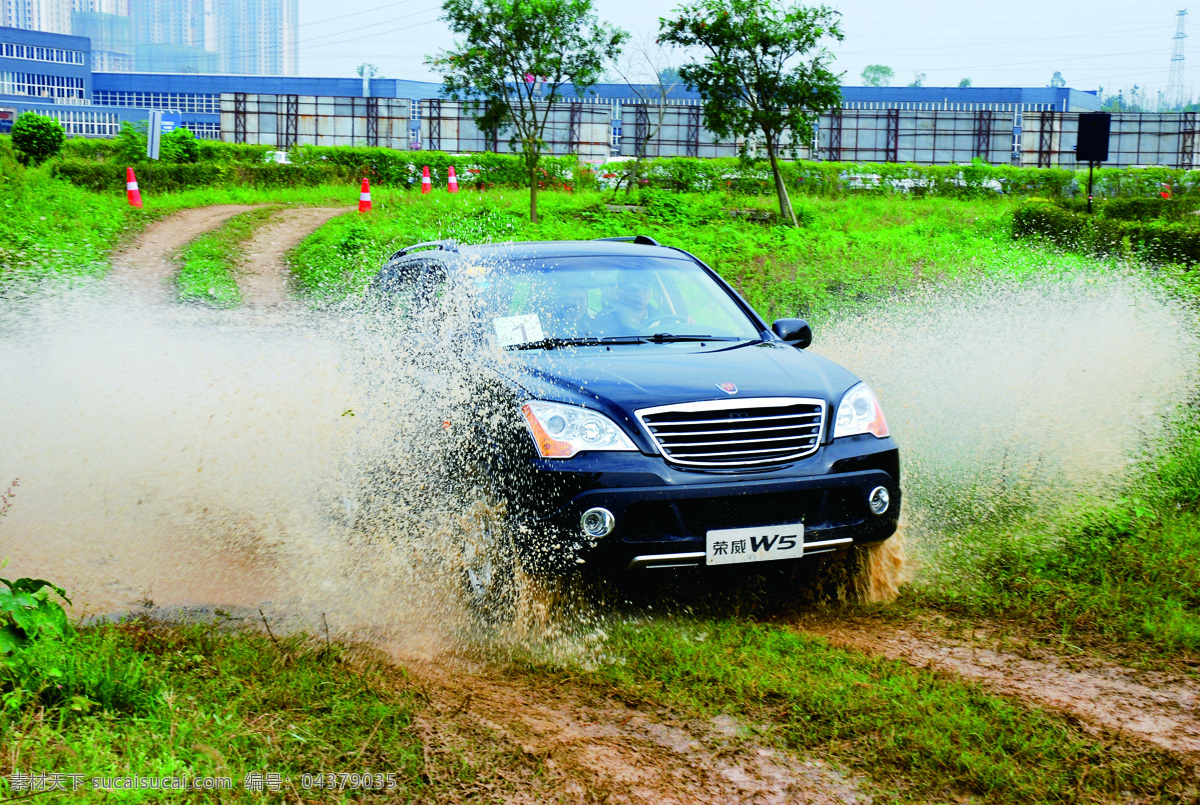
x=964, y=82
x=37, y=137
x=506, y=46
x=652, y=83
x=877, y=75
x=669, y=76
x=1057, y=80
x=918, y=79
x=763, y=70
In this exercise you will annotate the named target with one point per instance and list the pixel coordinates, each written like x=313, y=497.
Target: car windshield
x=539, y=302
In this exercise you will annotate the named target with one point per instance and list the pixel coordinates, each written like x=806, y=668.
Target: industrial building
x=60, y=75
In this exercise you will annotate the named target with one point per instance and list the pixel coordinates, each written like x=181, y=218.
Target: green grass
x=1122, y=576
x=928, y=737
x=848, y=251
x=209, y=263
x=152, y=700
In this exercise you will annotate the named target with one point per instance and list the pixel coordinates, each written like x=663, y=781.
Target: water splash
x=297, y=461
x=1016, y=402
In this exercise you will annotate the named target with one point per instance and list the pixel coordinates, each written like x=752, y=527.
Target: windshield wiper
x=589, y=341
x=555, y=343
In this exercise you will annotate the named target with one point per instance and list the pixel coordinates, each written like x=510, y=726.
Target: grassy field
x=1119, y=579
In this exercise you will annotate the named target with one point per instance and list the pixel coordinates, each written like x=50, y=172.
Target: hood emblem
x=728, y=388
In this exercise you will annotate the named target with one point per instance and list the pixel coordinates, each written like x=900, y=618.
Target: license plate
x=728, y=546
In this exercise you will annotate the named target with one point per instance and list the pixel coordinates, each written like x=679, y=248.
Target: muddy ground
x=574, y=744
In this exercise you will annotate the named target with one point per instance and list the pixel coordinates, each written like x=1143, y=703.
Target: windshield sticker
x=512, y=330
x=478, y=274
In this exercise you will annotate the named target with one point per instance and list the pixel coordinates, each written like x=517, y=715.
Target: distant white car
x=278, y=157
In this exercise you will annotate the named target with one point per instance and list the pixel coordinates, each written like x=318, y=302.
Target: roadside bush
x=165, y=177
x=37, y=137
x=386, y=166
x=12, y=172
x=1157, y=239
x=130, y=144
x=217, y=151
x=179, y=146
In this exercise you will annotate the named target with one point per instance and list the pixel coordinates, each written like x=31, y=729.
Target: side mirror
x=794, y=331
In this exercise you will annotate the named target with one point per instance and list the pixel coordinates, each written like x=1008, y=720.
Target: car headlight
x=859, y=412
x=561, y=431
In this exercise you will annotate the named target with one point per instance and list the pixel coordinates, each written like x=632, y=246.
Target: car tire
x=490, y=566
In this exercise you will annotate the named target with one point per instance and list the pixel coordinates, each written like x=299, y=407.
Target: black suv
x=642, y=415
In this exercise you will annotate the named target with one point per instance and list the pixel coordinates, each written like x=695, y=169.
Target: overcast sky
x=1018, y=43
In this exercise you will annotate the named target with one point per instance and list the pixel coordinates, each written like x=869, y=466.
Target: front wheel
x=490, y=566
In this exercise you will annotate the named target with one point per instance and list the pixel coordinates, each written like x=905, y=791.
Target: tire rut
x=572, y=745
x=1160, y=708
x=263, y=280
x=146, y=266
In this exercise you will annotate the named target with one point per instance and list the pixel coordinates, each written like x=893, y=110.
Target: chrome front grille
x=730, y=433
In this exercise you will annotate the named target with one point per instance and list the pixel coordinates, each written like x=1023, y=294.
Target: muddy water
x=231, y=459
x=187, y=457
x=1019, y=403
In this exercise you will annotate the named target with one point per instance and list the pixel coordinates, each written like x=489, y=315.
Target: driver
x=631, y=310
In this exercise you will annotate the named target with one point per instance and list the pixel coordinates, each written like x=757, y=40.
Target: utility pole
x=1175, y=77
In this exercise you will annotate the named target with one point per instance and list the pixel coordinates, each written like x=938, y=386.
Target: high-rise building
x=52, y=16
x=250, y=37
x=258, y=37
x=107, y=24
x=247, y=37
x=176, y=36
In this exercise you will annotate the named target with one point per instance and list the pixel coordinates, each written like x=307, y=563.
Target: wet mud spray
x=1016, y=404
x=233, y=459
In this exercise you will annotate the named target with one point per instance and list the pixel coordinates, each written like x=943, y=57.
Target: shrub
x=130, y=145
x=37, y=137
x=179, y=146
x=1158, y=240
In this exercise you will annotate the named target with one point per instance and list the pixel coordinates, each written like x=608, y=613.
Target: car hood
x=624, y=378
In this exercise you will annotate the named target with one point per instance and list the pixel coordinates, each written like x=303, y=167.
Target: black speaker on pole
x=1092, y=145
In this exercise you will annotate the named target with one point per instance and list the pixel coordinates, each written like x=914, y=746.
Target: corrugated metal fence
x=1164, y=139
x=596, y=132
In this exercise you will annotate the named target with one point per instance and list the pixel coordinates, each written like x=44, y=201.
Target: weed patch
x=146, y=699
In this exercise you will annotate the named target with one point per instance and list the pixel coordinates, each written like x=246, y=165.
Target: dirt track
x=264, y=282
x=1157, y=707
x=146, y=265
x=570, y=745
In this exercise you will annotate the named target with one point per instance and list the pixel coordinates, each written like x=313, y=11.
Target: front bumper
x=663, y=512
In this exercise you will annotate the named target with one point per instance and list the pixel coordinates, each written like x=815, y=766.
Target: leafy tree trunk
x=531, y=162
x=785, y=203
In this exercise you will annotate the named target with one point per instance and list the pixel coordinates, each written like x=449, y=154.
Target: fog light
x=878, y=500
x=597, y=523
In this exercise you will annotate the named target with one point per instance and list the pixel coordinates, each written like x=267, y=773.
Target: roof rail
x=442, y=245
x=641, y=240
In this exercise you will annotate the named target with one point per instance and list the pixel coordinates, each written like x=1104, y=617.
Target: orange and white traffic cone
x=364, y=198
x=452, y=182
x=426, y=184
x=131, y=189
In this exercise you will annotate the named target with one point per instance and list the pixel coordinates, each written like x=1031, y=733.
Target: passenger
x=569, y=314
x=631, y=311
